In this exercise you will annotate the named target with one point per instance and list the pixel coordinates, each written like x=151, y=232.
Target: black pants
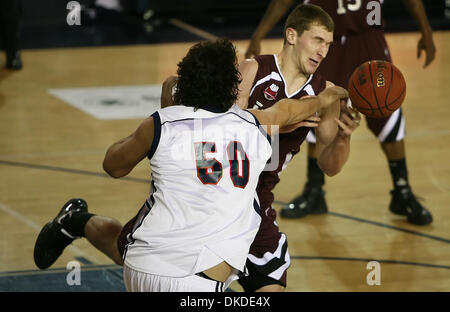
x=10, y=13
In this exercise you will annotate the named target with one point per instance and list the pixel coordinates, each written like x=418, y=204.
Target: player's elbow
x=112, y=170
x=331, y=173
x=330, y=169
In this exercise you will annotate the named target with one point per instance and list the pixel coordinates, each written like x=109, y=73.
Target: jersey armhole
x=263, y=131
x=157, y=134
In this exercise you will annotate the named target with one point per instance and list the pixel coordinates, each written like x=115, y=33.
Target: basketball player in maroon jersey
x=266, y=80
x=356, y=41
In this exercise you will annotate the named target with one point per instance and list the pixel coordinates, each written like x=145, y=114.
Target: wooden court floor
x=51, y=152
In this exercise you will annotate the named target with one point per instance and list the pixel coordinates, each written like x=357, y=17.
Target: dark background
x=43, y=23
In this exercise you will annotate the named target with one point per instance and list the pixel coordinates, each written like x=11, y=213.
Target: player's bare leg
x=102, y=232
x=394, y=150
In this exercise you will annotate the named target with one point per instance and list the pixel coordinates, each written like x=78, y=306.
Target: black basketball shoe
x=53, y=237
x=404, y=202
x=311, y=201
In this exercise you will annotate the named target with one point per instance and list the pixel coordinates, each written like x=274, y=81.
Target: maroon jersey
x=351, y=16
x=268, y=88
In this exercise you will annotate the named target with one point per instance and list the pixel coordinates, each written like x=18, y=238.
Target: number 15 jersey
x=203, y=207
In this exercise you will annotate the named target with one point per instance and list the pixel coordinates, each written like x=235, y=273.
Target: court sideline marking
x=141, y=180
x=429, y=265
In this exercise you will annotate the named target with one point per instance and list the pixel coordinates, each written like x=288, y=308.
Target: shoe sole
x=39, y=249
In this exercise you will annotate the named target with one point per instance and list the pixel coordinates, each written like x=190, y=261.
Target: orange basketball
x=377, y=88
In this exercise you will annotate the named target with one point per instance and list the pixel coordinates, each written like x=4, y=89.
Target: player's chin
x=311, y=71
x=312, y=67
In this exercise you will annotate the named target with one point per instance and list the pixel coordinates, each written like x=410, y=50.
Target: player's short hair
x=208, y=76
x=305, y=15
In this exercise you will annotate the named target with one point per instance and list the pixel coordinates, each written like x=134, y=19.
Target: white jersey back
x=203, y=208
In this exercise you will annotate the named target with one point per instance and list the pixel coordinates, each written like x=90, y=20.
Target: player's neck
x=290, y=69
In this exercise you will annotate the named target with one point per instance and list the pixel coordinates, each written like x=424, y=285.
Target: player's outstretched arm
x=333, y=136
x=124, y=155
x=293, y=113
x=426, y=42
x=275, y=11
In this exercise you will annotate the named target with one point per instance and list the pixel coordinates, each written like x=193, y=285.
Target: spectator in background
x=10, y=13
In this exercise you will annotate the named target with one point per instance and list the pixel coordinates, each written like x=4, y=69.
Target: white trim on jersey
x=309, y=89
x=392, y=121
x=287, y=160
x=268, y=256
x=310, y=137
x=278, y=273
x=401, y=131
x=273, y=75
x=285, y=84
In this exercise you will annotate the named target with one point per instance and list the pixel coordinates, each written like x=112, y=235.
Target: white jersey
x=203, y=208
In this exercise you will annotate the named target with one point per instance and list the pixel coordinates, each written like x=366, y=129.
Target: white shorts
x=136, y=281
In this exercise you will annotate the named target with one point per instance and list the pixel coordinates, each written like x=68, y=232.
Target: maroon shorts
x=269, y=258
x=125, y=235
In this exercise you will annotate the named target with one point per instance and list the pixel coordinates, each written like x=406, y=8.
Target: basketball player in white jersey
x=194, y=231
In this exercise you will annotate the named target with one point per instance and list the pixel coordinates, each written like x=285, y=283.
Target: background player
x=10, y=14
x=355, y=43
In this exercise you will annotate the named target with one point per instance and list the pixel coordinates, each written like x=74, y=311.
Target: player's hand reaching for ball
x=330, y=95
x=348, y=121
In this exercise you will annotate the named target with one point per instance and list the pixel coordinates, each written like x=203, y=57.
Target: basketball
x=377, y=88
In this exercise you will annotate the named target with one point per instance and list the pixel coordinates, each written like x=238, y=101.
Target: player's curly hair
x=208, y=76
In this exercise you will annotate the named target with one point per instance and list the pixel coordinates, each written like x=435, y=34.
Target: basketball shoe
x=403, y=202
x=311, y=201
x=55, y=236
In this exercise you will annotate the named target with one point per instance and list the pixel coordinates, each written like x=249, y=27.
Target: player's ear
x=291, y=35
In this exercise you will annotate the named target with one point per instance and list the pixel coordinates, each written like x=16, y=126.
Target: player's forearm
x=274, y=13
x=290, y=111
x=333, y=157
x=417, y=11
